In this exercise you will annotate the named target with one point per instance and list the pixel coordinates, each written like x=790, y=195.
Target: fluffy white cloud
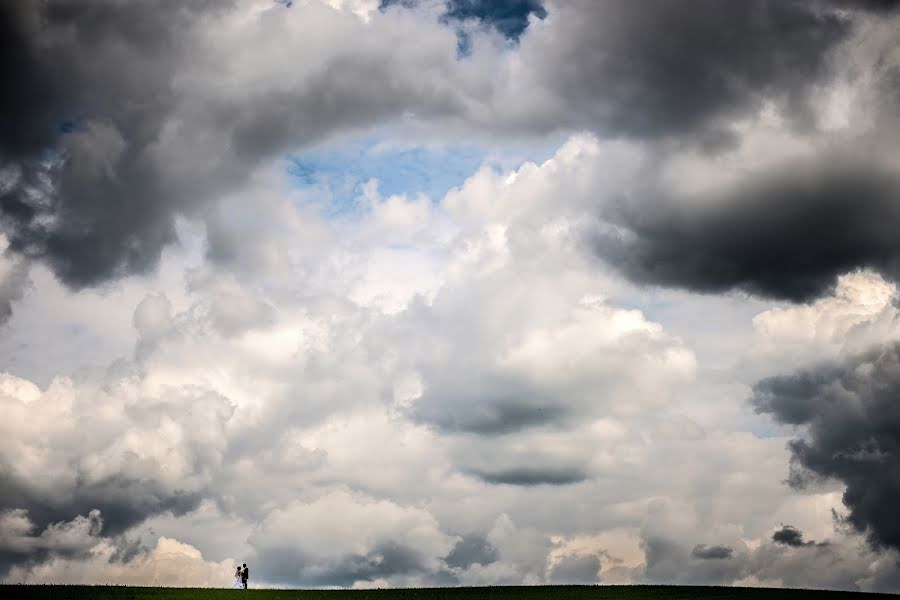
x=861, y=313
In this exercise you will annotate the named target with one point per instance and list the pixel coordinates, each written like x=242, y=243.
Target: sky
x=450, y=292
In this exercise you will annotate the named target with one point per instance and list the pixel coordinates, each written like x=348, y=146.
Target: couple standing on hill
x=241, y=575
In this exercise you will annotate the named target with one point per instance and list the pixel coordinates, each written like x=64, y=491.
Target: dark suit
x=245, y=575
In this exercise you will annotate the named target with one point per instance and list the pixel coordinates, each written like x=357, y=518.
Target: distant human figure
x=238, y=581
x=245, y=575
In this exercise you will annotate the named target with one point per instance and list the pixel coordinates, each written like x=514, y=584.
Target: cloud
x=860, y=314
x=471, y=550
x=746, y=217
x=425, y=364
x=842, y=561
x=117, y=129
x=14, y=281
x=566, y=352
x=66, y=539
x=847, y=411
x=789, y=536
x=764, y=235
x=376, y=539
x=712, y=552
x=324, y=400
x=521, y=556
x=92, y=91
x=119, y=125
x=321, y=404
x=532, y=476
x=576, y=569
x=144, y=455
x=694, y=71
x=168, y=563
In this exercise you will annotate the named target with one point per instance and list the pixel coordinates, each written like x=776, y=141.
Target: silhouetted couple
x=241, y=575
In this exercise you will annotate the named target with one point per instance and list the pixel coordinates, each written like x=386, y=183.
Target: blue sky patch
x=509, y=17
x=340, y=171
x=337, y=172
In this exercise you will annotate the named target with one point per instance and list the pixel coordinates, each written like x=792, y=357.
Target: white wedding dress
x=238, y=584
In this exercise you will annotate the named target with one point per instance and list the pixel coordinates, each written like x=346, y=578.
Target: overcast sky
x=450, y=292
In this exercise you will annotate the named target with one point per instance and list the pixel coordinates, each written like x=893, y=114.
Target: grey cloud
x=232, y=308
x=838, y=566
x=712, y=552
x=851, y=420
x=102, y=454
x=785, y=235
x=124, y=501
x=879, y=6
x=23, y=542
x=789, y=536
x=494, y=410
x=12, y=287
x=91, y=88
x=128, y=550
x=670, y=562
x=385, y=560
x=576, y=569
x=694, y=67
x=471, y=550
x=529, y=476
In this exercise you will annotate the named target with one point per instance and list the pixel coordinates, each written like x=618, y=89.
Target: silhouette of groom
x=245, y=575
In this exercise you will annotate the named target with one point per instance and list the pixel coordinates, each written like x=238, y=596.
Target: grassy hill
x=636, y=592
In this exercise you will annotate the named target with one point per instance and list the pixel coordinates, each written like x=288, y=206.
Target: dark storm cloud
x=123, y=501
x=851, y=416
x=712, y=552
x=787, y=235
x=877, y=6
x=88, y=87
x=671, y=68
x=529, y=476
x=790, y=536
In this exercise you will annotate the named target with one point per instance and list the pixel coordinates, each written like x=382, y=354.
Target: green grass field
x=638, y=592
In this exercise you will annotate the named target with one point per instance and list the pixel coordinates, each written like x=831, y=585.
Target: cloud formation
x=91, y=91
x=848, y=411
x=119, y=127
x=145, y=455
x=479, y=398
x=766, y=237
x=693, y=71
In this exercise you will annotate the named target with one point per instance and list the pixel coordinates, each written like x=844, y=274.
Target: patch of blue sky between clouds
x=510, y=18
x=334, y=175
